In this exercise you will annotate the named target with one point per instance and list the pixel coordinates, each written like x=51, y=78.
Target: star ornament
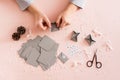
x=74, y=36
x=89, y=40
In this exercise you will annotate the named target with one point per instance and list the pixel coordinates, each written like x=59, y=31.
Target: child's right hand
x=41, y=19
x=63, y=18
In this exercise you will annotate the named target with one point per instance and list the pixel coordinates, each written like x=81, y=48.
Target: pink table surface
x=101, y=14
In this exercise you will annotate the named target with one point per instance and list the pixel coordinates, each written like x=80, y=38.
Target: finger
x=47, y=21
x=63, y=23
x=44, y=23
x=58, y=21
x=66, y=24
x=36, y=21
x=41, y=25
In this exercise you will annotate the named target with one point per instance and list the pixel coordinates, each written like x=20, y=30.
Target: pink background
x=103, y=15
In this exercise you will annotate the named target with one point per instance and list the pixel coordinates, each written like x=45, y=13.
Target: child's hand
x=41, y=19
x=63, y=18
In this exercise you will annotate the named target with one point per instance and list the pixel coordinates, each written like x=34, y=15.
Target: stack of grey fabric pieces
x=39, y=51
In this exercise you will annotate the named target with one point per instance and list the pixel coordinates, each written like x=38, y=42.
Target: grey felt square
x=23, y=47
x=54, y=27
x=32, y=59
x=43, y=66
x=27, y=43
x=53, y=50
x=39, y=51
x=46, y=57
x=47, y=43
x=26, y=52
x=53, y=61
x=46, y=66
x=62, y=57
x=48, y=63
x=33, y=42
x=38, y=38
x=21, y=50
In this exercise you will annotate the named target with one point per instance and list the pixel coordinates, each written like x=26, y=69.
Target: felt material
x=54, y=49
x=47, y=43
x=26, y=52
x=62, y=57
x=39, y=51
x=74, y=36
x=54, y=27
x=32, y=59
x=33, y=42
x=46, y=57
x=46, y=66
x=43, y=66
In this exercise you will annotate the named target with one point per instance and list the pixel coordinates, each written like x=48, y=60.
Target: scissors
x=90, y=62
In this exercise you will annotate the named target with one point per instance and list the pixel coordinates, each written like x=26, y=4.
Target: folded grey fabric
x=39, y=51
